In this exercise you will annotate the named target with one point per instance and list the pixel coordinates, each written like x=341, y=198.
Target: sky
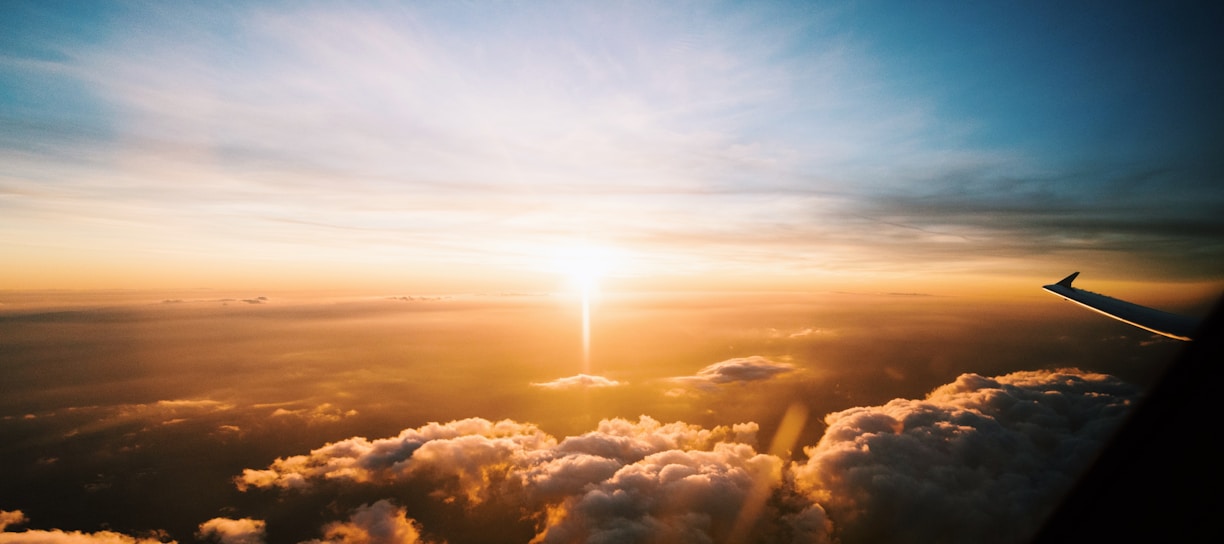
x=457, y=146
x=485, y=272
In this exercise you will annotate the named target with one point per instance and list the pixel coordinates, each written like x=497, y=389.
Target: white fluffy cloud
x=624, y=478
x=979, y=460
x=461, y=448
x=473, y=451
x=679, y=496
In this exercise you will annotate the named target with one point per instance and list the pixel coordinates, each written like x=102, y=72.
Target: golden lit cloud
x=233, y=531
x=11, y=517
x=56, y=536
x=581, y=381
x=1013, y=443
x=378, y=523
x=740, y=369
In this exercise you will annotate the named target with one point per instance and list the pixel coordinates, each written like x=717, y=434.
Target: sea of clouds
x=982, y=459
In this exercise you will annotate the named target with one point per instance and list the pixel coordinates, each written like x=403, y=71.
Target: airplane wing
x=1163, y=323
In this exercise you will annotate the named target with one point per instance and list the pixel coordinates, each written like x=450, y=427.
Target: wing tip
x=1066, y=282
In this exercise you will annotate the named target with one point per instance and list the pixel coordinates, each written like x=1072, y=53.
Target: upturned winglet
x=1066, y=282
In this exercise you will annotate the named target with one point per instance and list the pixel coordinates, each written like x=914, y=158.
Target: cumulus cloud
x=979, y=460
x=581, y=381
x=358, y=459
x=378, y=523
x=474, y=451
x=625, y=478
x=740, y=369
x=233, y=531
x=677, y=496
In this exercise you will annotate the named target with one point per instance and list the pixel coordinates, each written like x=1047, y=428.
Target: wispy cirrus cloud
x=703, y=138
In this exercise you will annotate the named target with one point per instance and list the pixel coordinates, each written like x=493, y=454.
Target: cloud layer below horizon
x=979, y=459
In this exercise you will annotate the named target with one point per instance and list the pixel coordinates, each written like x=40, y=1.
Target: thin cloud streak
x=580, y=381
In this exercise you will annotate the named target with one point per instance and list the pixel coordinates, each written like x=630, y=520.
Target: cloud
x=11, y=517
x=740, y=369
x=471, y=450
x=678, y=496
x=979, y=460
x=675, y=479
x=797, y=148
x=808, y=331
x=323, y=413
x=201, y=404
x=378, y=523
x=56, y=536
x=581, y=381
x=361, y=460
x=676, y=137
x=233, y=531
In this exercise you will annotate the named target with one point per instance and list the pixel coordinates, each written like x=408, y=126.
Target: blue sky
x=203, y=143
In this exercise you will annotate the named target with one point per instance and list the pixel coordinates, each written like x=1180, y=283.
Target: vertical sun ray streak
x=586, y=327
x=784, y=439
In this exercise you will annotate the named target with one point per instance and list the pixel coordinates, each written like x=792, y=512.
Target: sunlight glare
x=583, y=267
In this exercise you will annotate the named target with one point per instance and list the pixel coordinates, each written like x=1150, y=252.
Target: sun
x=583, y=267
